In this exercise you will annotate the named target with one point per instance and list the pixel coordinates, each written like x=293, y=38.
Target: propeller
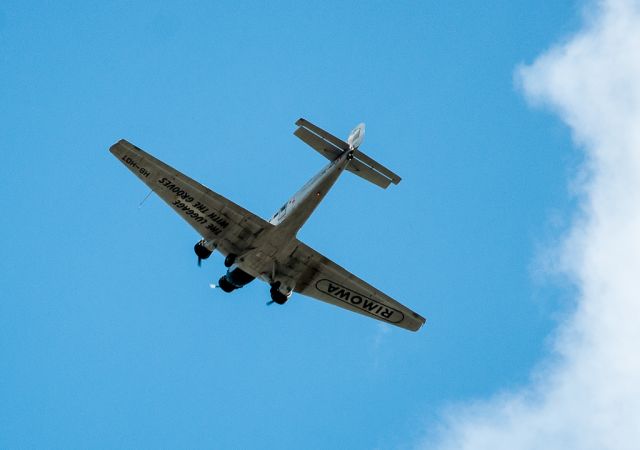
x=203, y=250
x=270, y=302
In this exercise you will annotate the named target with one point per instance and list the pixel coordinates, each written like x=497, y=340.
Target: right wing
x=214, y=217
x=320, y=278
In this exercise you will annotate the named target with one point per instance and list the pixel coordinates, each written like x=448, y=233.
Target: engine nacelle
x=203, y=249
x=234, y=279
x=284, y=285
x=281, y=290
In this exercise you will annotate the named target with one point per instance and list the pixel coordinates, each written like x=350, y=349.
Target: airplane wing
x=214, y=217
x=322, y=279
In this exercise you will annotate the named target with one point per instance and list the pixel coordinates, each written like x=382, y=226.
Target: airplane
x=269, y=249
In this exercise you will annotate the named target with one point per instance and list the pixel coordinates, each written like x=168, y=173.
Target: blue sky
x=109, y=334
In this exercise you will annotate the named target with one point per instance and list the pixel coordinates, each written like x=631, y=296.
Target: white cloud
x=587, y=395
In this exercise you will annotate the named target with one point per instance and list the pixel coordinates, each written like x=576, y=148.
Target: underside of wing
x=322, y=279
x=214, y=217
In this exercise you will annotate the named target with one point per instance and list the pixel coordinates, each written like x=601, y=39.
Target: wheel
x=225, y=285
x=229, y=260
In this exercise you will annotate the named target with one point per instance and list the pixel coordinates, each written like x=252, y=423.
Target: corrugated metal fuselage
x=271, y=251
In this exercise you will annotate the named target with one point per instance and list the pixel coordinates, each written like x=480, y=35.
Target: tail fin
x=331, y=147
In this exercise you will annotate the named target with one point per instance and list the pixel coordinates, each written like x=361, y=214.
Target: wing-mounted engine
x=203, y=249
x=281, y=289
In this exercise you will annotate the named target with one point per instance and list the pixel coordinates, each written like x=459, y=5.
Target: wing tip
x=122, y=142
x=417, y=322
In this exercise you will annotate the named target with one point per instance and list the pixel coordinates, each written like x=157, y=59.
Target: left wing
x=214, y=217
x=320, y=278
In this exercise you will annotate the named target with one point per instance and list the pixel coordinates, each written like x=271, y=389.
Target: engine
x=234, y=279
x=281, y=290
x=203, y=249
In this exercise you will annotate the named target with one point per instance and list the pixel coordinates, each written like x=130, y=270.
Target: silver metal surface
x=269, y=250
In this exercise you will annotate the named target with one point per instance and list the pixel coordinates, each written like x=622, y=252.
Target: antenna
x=145, y=199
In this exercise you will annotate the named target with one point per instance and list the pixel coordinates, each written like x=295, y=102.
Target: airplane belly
x=258, y=261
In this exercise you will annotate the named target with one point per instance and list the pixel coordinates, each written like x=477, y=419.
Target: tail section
x=331, y=147
x=356, y=136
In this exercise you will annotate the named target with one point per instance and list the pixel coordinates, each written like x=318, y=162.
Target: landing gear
x=277, y=296
x=229, y=260
x=224, y=284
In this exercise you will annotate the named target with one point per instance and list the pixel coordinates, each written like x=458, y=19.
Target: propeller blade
x=212, y=286
x=270, y=302
x=199, y=262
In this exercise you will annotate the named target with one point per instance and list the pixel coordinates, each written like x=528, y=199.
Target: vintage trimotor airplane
x=269, y=250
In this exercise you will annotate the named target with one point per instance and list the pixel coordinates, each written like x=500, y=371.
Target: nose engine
x=234, y=279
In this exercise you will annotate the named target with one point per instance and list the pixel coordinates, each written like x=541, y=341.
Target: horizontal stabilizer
x=363, y=171
x=325, y=148
x=331, y=147
x=395, y=179
x=342, y=145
